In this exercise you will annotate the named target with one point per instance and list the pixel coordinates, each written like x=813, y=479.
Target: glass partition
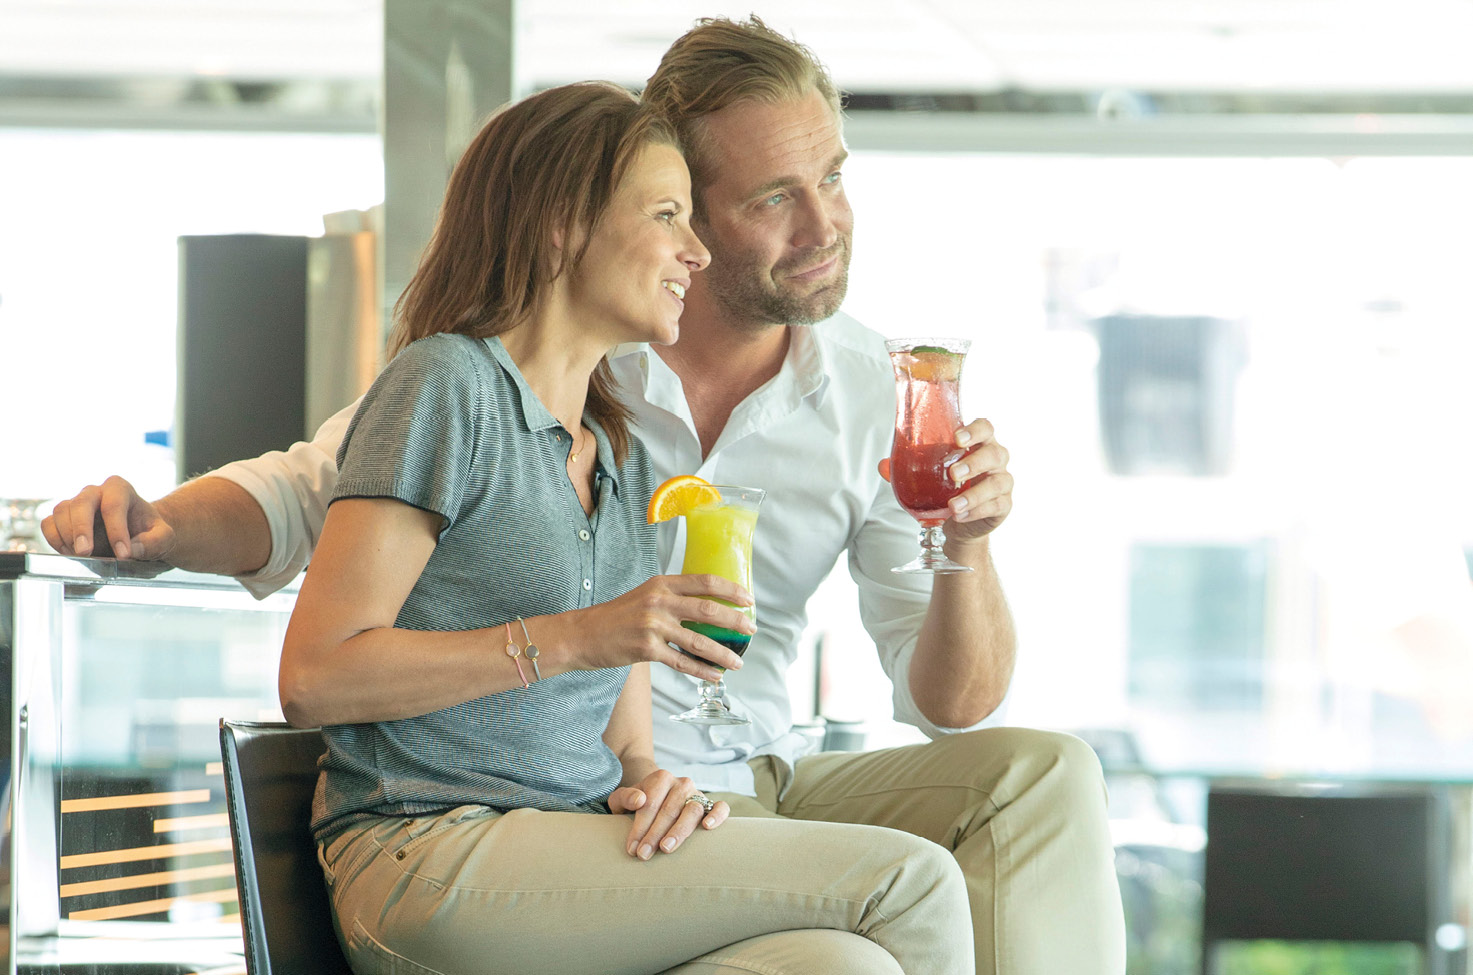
x=121, y=842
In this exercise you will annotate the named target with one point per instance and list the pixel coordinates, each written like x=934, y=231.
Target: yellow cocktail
x=718, y=541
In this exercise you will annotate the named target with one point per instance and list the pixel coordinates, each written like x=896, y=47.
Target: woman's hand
x=643, y=623
x=664, y=814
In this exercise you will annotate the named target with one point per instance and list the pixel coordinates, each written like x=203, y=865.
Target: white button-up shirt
x=812, y=438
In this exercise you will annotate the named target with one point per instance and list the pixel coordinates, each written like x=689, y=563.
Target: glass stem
x=710, y=693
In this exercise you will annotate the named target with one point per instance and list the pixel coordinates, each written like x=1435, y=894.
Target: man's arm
x=963, y=660
x=218, y=527
x=205, y=525
x=261, y=516
x=947, y=640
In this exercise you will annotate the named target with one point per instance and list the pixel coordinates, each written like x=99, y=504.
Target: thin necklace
x=573, y=457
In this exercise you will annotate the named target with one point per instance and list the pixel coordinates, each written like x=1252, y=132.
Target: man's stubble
x=746, y=292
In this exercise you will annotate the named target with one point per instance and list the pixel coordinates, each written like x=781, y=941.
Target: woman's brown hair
x=541, y=167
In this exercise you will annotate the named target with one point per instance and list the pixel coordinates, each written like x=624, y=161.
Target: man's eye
x=832, y=178
x=774, y=199
x=666, y=215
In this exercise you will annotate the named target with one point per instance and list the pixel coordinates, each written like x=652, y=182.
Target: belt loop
x=327, y=870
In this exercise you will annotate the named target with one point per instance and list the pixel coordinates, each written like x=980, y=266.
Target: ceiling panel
x=870, y=45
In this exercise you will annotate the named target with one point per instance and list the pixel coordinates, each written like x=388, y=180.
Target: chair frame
x=270, y=771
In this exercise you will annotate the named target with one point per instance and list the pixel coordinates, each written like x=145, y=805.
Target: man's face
x=775, y=215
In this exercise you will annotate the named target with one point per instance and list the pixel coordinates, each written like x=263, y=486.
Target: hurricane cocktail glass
x=927, y=415
x=718, y=541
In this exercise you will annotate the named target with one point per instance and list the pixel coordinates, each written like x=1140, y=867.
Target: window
x=1271, y=515
x=88, y=272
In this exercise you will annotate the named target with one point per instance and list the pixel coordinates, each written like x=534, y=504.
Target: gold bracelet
x=531, y=650
x=514, y=652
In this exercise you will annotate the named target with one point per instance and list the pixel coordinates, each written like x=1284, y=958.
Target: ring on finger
x=702, y=800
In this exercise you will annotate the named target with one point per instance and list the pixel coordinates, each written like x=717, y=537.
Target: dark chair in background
x=1326, y=866
x=270, y=772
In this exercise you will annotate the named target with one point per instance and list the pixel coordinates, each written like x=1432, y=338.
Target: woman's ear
x=559, y=252
x=565, y=243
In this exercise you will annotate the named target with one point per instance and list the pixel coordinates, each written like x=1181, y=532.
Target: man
x=768, y=385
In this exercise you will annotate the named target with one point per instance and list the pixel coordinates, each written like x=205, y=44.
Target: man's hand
x=663, y=816
x=987, y=496
x=109, y=519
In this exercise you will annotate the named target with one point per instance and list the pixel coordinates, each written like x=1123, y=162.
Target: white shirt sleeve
x=892, y=606
x=293, y=488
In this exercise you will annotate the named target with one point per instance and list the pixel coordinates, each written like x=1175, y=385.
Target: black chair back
x=1311, y=865
x=270, y=773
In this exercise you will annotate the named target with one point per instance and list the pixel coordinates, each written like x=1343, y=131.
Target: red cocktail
x=927, y=416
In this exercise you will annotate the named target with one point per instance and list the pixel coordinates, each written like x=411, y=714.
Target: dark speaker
x=242, y=348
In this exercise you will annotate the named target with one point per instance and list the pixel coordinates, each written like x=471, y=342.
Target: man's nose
x=817, y=223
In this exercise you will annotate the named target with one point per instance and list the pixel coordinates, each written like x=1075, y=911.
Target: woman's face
x=639, y=262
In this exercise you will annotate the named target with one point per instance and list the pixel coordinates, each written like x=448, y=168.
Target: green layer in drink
x=730, y=639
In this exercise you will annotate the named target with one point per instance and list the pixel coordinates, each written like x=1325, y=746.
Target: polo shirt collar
x=538, y=417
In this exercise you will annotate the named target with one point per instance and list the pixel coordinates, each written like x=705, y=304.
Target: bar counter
x=114, y=843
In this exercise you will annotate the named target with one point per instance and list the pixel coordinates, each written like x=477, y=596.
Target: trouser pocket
x=368, y=956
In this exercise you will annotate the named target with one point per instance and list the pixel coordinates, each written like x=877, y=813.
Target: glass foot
x=932, y=558
x=711, y=709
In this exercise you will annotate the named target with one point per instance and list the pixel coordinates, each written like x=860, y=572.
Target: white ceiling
x=1333, y=46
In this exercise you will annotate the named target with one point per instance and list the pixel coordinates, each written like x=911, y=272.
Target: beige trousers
x=475, y=891
x=1022, y=811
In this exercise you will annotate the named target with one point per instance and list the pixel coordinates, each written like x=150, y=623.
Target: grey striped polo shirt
x=452, y=427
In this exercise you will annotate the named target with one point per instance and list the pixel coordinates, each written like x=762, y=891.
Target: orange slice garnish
x=928, y=363
x=679, y=495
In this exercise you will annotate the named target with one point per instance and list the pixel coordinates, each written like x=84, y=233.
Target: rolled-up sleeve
x=892, y=606
x=293, y=488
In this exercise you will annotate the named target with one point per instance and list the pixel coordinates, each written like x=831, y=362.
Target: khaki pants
x=1022, y=811
x=529, y=892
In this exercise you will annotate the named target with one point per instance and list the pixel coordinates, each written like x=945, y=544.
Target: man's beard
x=747, y=292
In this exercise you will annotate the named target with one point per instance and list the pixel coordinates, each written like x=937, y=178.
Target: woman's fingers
x=685, y=824
x=712, y=586
x=647, y=624
x=683, y=661
x=716, y=816
x=664, y=813
x=686, y=601
x=675, y=820
x=654, y=818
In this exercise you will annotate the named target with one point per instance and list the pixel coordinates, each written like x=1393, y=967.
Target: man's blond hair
x=720, y=62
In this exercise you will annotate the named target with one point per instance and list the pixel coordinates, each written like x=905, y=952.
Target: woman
x=485, y=580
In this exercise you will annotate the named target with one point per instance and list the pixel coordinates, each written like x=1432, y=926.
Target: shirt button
x=587, y=584
x=583, y=534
